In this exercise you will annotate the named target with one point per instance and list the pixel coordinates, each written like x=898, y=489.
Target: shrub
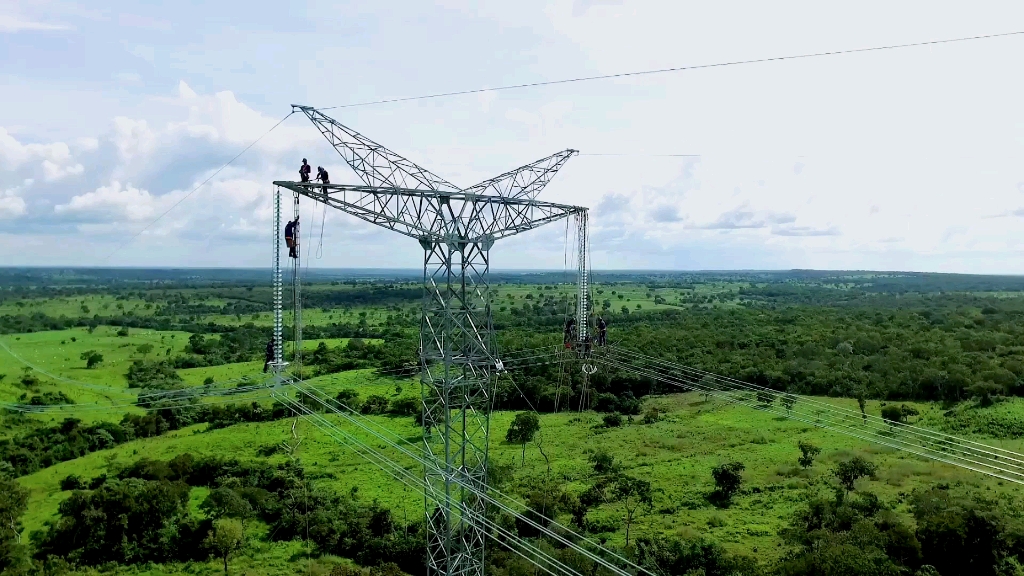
x=613, y=420
x=406, y=406
x=349, y=397
x=892, y=414
x=72, y=482
x=149, y=374
x=375, y=404
x=652, y=415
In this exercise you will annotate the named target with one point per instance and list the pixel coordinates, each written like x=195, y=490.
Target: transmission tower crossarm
x=374, y=164
x=435, y=215
x=526, y=181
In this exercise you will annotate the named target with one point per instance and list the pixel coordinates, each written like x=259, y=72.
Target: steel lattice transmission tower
x=456, y=228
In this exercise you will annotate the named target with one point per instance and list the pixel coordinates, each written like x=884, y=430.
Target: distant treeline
x=42, y=447
x=947, y=347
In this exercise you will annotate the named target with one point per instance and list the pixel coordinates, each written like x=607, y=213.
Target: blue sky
x=907, y=159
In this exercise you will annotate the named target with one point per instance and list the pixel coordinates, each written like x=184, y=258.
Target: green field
x=675, y=453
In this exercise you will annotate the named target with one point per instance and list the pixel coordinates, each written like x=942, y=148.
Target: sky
x=908, y=159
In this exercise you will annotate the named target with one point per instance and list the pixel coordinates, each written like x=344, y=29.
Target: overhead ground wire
x=673, y=69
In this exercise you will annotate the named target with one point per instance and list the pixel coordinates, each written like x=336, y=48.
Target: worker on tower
x=304, y=171
x=602, y=331
x=270, y=356
x=291, y=237
x=570, y=332
x=322, y=176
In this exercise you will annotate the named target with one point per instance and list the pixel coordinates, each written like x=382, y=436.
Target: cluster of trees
x=45, y=446
x=943, y=347
x=954, y=531
x=240, y=345
x=141, y=514
x=397, y=356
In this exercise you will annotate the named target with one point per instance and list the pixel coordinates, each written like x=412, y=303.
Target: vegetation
x=98, y=480
x=728, y=478
x=808, y=452
x=524, y=427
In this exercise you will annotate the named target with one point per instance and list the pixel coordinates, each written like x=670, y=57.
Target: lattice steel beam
x=374, y=164
x=456, y=229
x=436, y=215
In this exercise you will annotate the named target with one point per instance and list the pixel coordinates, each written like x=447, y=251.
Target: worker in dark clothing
x=270, y=356
x=570, y=332
x=291, y=237
x=602, y=331
x=304, y=171
x=321, y=175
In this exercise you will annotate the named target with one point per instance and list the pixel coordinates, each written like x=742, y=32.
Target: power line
x=643, y=155
x=193, y=191
x=998, y=467
x=923, y=434
x=678, y=69
x=507, y=504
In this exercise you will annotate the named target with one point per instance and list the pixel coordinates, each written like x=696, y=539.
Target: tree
x=144, y=349
x=524, y=426
x=847, y=472
x=808, y=452
x=862, y=403
x=13, y=502
x=604, y=463
x=962, y=532
x=766, y=397
x=633, y=493
x=226, y=503
x=92, y=358
x=225, y=538
x=728, y=478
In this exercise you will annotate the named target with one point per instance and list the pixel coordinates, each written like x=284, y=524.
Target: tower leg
x=456, y=353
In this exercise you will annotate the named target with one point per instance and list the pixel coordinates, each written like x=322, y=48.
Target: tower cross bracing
x=456, y=229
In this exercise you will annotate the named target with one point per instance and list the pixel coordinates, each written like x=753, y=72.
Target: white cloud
x=805, y=231
x=56, y=158
x=133, y=138
x=115, y=203
x=11, y=23
x=53, y=171
x=86, y=144
x=12, y=204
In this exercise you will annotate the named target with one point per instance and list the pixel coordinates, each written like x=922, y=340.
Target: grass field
x=676, y=454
